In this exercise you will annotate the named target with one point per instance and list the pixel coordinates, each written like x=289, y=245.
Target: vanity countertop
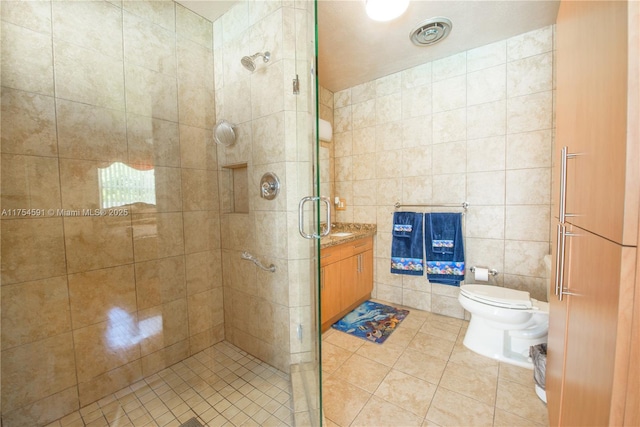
x=344, y=232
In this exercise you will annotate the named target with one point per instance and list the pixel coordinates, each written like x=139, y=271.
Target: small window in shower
x=235, y=188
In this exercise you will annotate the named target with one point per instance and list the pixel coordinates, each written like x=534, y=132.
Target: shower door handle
x=303, y=201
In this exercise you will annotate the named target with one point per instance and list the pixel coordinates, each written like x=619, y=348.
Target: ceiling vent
x=430, y=31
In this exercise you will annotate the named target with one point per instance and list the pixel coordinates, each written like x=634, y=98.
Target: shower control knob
x=269, y=186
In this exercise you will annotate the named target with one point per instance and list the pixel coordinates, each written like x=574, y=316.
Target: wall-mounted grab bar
x=246, y=255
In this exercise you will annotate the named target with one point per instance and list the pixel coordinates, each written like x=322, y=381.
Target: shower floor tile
x=428, y=379
x=220, y=386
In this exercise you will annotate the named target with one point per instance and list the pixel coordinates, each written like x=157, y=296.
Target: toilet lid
x=498, y=296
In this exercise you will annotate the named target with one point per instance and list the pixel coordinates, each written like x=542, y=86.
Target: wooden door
x=591, y=115
x=555, y=344
x=349, y=281
x=365, y=274
x=593, y=281
x=330, y=291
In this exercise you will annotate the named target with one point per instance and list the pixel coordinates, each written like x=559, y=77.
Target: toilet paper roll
x=481, y=274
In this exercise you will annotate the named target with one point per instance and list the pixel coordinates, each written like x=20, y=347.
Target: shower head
x=249, y=62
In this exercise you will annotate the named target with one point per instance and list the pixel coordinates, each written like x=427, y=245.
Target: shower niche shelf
x=235, y=188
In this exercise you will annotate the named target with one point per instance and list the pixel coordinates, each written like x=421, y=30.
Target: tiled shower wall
x=474, y=127
x=90, y=304
x=263, y=310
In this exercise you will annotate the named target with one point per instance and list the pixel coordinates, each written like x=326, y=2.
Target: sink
x=340, y=234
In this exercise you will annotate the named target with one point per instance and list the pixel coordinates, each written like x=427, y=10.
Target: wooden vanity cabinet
x=346, y=278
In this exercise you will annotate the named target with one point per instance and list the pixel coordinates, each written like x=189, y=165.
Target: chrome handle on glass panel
x=303, y=201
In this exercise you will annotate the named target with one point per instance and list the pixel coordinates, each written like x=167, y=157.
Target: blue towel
x=444, y=248
x=407, y=255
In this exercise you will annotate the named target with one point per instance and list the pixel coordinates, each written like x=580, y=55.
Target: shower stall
x=132, y=240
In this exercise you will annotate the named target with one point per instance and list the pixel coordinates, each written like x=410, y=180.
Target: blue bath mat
x=371, y=321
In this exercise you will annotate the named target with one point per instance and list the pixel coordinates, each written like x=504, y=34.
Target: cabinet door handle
x=564, y=156
x=322, y=279
x=561, y=290
x=359, y=263
x=559, y=258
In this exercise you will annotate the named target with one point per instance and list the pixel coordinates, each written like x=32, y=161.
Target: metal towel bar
x=463, y=205
x=246, y=255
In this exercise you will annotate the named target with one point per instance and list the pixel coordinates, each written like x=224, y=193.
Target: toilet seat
x=498, y=296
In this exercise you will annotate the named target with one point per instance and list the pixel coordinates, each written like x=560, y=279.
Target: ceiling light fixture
x=385, y=10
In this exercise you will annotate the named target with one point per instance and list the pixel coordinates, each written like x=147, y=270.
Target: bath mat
x=191, y=422
x=371, y=321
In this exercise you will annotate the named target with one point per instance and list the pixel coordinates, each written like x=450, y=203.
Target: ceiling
x=353, y=49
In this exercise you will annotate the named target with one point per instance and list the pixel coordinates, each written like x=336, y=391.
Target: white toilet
x=504, y=322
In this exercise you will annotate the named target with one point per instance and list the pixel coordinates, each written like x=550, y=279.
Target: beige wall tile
x=163, y=326
x=32, y=311
x=268, y=135
x=153, y=141
x=45, y=410
x=32, y=250
x=450, y=94
x=528, y=186
x=525, y=258
x=194, y=190
x=35, y=16
x=197, y=232
x=529, y=112
x=160, y=281
x=527, y=222
x=487, y=85
x=530, y=75
x=389, y=84
x=105, y=346
x=151, y=94
x=109, y=382
x=97, y=242
x=158, y=12
x=200, y=272
x=93, y=25
x=28, y=123
x=168, y=188
x=195, y=84
x=363, y=92
x=157, y=235
x=450, y=126
x=364, y=114
x=486, y=120
x=201, y=311
x=27, y=60
x=30, y=182
x=419, y=75
x=194, y=27
x=155, y=362
x=94, y=295
x=451, y=66
x=388, y=108
x=79, y=184
x=91, y=133
x=149, y=45
x=194, y=145
x=27, y=371
x=487, y=56
x=88, y=76
x=529, y=44
x=529, y=150
x=477, y=159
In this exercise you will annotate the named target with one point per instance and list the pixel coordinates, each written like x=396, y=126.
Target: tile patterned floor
x=423, y=376
x=220, y=386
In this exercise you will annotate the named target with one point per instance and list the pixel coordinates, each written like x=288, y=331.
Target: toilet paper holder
x=492, y=271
